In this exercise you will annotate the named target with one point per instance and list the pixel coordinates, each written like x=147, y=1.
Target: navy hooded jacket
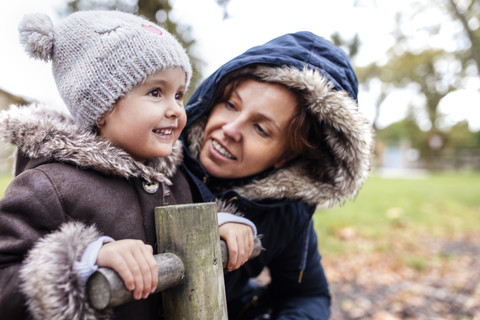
x=281, y=201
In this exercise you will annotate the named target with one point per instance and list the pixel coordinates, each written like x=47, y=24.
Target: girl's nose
x=173, y=109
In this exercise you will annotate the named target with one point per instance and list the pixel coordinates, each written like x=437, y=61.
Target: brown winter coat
x=69, y=189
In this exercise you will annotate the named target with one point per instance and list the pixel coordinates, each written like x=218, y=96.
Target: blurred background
x=417, y=61
x=408, y=246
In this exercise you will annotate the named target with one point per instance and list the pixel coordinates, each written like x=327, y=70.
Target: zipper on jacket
x=300, y=276
x=232, y=199
x=303, y=262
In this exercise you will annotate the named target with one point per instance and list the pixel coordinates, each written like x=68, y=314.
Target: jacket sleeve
x=295, y=298
x=38, y=249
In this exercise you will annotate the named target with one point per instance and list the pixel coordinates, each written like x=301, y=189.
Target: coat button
x=151, y=187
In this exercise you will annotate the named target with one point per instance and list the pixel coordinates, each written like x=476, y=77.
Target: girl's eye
x=260, y=130
x=179, y=96
x=155, y=93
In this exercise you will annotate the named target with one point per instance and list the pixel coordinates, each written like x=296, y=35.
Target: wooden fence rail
x=189, y=269
x=105, y=288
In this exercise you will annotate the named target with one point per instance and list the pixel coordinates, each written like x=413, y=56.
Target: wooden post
x=191, y=232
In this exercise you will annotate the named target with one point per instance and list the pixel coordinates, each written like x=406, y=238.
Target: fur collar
x=39, y=131
x=348, y=135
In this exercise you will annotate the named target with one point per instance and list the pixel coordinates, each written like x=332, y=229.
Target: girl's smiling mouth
x=163, y=132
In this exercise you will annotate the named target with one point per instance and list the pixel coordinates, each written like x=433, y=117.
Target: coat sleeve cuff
x=225, y=217
x=88, y=263
x=48, y=277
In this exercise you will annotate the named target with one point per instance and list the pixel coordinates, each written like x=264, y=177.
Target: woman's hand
x=239, y=239
x=134, y=262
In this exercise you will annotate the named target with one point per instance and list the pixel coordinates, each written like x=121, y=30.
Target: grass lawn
x=388, y=211
x=405, y=248
x=4, y=181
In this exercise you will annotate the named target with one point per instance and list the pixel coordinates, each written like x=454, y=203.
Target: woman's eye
x=155, y=93
x=261, y=131
x=229, y=105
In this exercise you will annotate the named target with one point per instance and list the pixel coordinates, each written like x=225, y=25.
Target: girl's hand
x=133, y=260
x=239, y=239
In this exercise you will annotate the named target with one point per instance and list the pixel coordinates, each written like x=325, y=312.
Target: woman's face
x=247, y=133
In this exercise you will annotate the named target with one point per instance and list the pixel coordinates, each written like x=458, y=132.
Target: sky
x=251, y=22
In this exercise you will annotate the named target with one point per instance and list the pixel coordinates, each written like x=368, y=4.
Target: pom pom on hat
x=36, y=35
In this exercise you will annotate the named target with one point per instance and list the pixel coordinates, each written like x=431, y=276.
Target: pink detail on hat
x=153, y=29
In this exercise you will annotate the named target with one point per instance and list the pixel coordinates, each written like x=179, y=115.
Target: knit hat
x=99, y=56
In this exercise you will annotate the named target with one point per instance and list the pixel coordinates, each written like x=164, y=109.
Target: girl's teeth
x=222, y=150
x=164, y=131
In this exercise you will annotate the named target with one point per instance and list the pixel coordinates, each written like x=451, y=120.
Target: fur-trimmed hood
x=324, y=77
x=42, y=132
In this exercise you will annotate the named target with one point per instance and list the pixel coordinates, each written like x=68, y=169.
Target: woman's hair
x=304, y=133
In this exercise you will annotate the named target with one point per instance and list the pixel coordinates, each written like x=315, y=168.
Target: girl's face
x=148, y=120
x=247, y=133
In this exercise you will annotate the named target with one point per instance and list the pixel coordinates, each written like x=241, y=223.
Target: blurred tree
x=435, y=70
x=467, y=12
x=224, y=4
x=421, y=69
x=477, y=138
x=393, y=134
x=461, y=147
x=371, y=77
x=351, y=47
x=406, y=129
x=425, y=70
x=454, y=148
x=430, y=71
x=460, y=138
x=157, y=11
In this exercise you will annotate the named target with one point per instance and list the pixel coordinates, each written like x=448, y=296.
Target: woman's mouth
x=221, y=150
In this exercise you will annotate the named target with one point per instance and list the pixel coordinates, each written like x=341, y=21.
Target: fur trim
x=348, y=134
x=39, y=131
x=224, y=206
x=48, y=278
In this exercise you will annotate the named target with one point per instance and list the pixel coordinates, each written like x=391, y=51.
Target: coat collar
x=42, y=132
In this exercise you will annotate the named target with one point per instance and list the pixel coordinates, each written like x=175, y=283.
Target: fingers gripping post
x=195, y=260
x=105, y=288
x=257, y=248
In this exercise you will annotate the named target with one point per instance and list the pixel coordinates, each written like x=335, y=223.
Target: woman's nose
x=232, y=130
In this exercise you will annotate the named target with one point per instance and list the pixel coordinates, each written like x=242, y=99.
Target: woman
x=276, y=132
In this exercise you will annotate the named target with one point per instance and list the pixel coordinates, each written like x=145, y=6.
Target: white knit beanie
x=99, y=56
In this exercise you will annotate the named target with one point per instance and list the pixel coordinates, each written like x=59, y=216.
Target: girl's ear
x=99, y=125
x=101, y=122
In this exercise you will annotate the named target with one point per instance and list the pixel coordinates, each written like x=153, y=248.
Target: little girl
x=86, y=186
